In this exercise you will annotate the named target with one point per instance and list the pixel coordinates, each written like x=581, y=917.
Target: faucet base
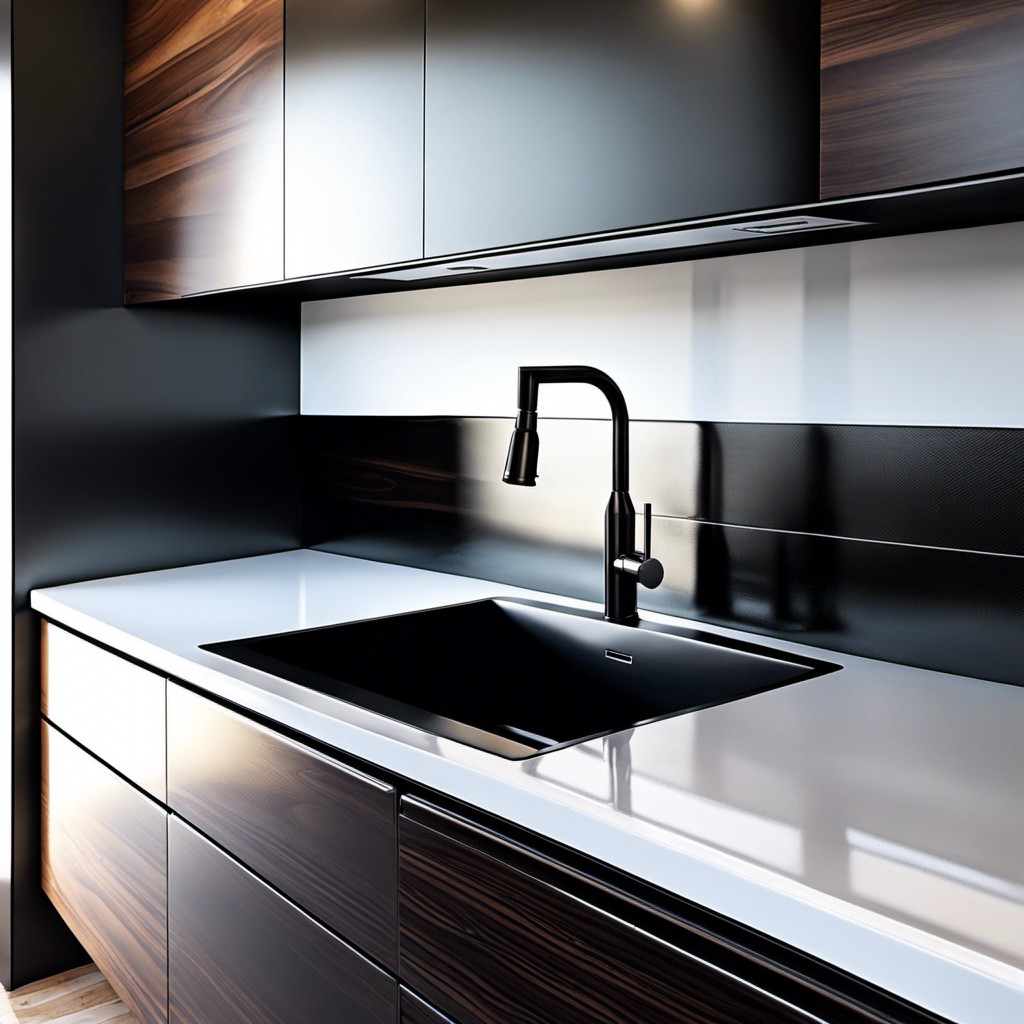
x=619, y=538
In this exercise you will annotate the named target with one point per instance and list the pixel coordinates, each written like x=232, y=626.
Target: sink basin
x=518, y=678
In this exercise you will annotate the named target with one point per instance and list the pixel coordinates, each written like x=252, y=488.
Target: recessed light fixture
x=791, y=224
x=635, y=243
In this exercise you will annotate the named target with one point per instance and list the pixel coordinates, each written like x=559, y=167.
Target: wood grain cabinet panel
x=415, y=1011
x=111, y=706
x=552, y=118
x=104, y=866
x=354, y=140
x=918, y=91
x=204, y=145
x=322, y=834
x=242, y=954
x=490, y=941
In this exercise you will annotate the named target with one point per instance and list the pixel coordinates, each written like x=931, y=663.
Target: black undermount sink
x=518, y=678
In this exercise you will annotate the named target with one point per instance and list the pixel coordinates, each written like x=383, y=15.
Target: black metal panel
x=142, y=438
x=918, y=558
x=955, y=487
x=6, y=205
x=382, y=473
x=547, y=119
x=953, y=611
x=951, y=487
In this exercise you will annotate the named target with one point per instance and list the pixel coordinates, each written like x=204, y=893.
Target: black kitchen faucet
x=624, y=566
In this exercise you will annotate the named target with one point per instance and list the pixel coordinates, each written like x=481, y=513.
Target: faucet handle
x=649, y=572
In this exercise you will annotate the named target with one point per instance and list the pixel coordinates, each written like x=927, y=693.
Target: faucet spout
x=530, y=380
x=623, y=565
x=521, y=464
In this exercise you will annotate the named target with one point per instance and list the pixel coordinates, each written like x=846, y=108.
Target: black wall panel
x=899, y=543
x=956, y=487
x=143, y=438
x=954, y=611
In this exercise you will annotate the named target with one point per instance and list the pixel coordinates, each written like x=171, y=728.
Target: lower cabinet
x=104, y=866
x=489, y=942
x=324, y=835
x=112, y=707
x=492, y=933
x=242, y=954
x=415, y=1011
x=283, y=887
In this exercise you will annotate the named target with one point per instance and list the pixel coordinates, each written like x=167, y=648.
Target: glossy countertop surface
x=873, y=816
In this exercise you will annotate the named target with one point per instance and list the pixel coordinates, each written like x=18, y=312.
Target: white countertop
x=873, y=817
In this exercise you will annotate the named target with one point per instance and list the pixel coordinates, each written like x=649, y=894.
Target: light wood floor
x=81, y=996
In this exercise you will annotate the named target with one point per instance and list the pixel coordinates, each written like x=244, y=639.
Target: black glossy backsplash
x=954, y=487
x=899, y=543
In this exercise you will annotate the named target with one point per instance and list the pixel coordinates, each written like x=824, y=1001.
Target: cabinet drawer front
x=241, y=954
x=104, y=867
x=321, y=833
x=109, y=705
x=415, y=1011
x=487, y=942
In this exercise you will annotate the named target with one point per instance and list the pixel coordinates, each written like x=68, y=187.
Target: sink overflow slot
x=626, y=659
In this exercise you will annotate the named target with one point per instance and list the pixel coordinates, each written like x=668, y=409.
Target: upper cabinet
x=204, y=146
x=918, y=91
x=552, y=118
x=271, y=141
x=354, y=140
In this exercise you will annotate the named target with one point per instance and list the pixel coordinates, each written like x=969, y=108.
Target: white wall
x=924, y=329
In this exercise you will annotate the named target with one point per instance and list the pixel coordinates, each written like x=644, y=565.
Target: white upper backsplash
x=922, y=329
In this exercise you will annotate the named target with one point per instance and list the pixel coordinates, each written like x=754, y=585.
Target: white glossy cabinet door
x=353, y=134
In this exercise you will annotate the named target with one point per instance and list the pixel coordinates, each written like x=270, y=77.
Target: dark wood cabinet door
x=917, y=91
x=242, y=954
x=109, y=705
x=415, y=1011
x=548, y=118
x=204, y=146
x=104, y=867
x=354, y=134
x=494, y=934
x=324, y=835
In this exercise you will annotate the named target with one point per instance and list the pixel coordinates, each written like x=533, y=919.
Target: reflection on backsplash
x=899, y=543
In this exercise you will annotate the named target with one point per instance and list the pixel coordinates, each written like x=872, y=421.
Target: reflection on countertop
x=907, y=803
